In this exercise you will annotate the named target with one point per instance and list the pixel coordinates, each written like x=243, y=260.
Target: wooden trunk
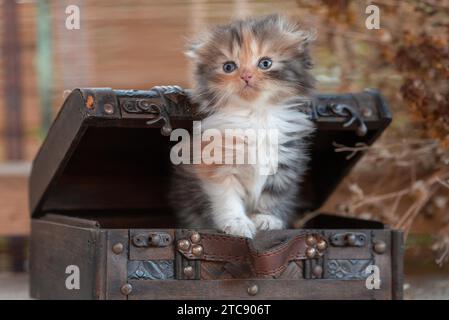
x=98, y=199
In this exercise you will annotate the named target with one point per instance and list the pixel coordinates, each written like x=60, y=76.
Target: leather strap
x=262, y=262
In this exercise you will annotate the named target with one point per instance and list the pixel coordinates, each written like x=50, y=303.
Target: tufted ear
x=306, y=37
x=192, y=49
x=290, y=26
x=193, y=46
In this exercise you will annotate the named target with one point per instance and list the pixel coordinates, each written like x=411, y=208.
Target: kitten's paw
x=267, y=222
x=242, y=227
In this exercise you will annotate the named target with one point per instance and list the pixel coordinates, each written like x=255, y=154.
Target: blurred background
x=403, y=179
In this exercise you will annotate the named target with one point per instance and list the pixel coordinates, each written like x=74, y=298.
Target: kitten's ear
x=192, y=49
x=194, y=45
x=290, y=25
x=306, y=37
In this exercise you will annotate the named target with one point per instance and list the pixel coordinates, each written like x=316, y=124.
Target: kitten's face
x=264, y=58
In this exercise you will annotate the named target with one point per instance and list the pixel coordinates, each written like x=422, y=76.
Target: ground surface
x=15, y=286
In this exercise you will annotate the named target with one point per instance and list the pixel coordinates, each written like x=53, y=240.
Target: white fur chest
x=274, y=125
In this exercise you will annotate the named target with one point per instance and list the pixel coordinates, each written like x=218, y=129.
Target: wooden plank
x=384, y=262
x=116, y=264
x=397, y=264
x=238, y=289
x=12, y=82
x=54, y=247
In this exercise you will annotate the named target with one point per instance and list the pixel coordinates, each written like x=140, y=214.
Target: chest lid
x=108, y=150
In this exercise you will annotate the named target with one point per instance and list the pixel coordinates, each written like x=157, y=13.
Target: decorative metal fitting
x=153, y=239
x=188, y=271
x=183, y=244
x=90, y=102
x=126, y=289
x=367, y=112
x=321, y=245
x=310, y=252
x=351, y=239
x=343, y=110
x=108, y=108
x=317, y=271
x=139, y=240
x=159, y=239
x=195, y=237
x=380, y=246
x=348, y=239
x=146, y=105
x=162, y=110
x=117, y=248
x=310, y=240
x=197, y=250
x=253, y=290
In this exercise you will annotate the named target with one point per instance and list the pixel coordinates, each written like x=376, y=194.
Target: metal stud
x=155, y=239
x=126, y=289
x=380, y=247
x=188, y=271
x=195, y=237
x=317, y=271
x=183, y=245
x=166, y=131
x=90, y=102
x=117, y=248
x=197, y=250
x=310, y=240
x=108, y=108
x=310, y=252
x=351, y=239
x=253, y=290
x=321, y=245
x=367, y=112
x=139, y=240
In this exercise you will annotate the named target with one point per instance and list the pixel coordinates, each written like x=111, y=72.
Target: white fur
x=236, y=194
x=267, y=222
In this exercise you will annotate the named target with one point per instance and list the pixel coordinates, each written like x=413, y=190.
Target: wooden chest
x=100, y=214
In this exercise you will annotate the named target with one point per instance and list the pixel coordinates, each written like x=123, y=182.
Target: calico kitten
x=246, y=74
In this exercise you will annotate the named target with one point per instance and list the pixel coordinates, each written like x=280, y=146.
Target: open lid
x=108, y=150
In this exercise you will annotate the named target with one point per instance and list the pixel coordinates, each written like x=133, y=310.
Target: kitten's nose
x=246, y=77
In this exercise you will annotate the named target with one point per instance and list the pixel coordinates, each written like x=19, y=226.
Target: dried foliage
x=423, y=59
x=404, y=178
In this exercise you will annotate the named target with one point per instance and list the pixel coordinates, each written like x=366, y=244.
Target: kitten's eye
x=265, y=63
x=229, y=66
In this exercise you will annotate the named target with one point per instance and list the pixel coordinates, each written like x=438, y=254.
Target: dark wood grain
x=55, y=246
x=397, y=264
x=237, y=289
x=383, y=261
x=116, y=264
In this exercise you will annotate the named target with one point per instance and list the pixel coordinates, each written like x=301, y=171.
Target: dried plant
x=404, y=177
x=417, y=173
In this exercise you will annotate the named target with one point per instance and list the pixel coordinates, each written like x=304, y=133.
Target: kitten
x=246, y=73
